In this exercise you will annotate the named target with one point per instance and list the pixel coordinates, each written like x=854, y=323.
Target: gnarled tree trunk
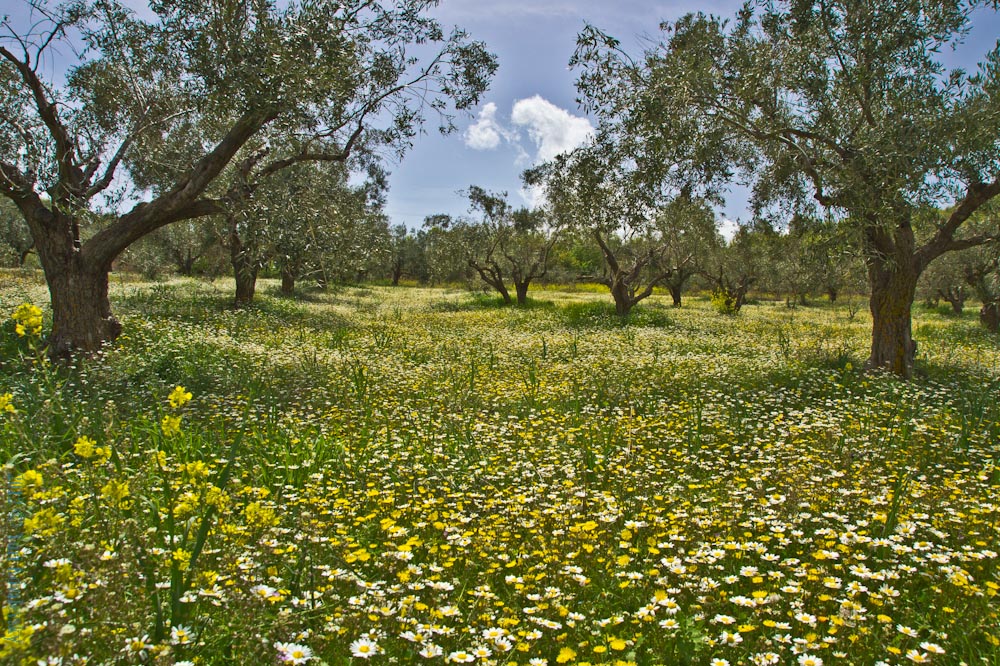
x=521, y=290
x=675, y=294
x=82, y=319
x=623, y=298
x=245, y=270
x=78, y=287
x=893, y=289
x=989, y=316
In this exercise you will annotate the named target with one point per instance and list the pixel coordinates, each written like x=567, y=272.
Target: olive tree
x=833, y=104
x=502, y=244
x=331, y=76
x=649, y=233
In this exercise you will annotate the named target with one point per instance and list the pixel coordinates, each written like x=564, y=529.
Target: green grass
x=427, y=471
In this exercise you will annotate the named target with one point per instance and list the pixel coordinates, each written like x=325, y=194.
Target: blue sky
x=530, y=108
x=530, y=111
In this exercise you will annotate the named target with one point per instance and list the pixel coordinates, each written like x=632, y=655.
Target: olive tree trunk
x=287, y=280
x=521, y=290
x=893, y=289
x=989, y=316
x=82, y=318
x=675, y=295
x=245, y=269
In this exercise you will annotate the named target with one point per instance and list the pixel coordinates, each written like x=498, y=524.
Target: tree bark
x=675, y=295
x=502, y=288
x=287, y=280
x=78, y=287
x=82, y=318
x=989, y=316
x=623, y=299
x=893, y=289
x=244, y=271
x=521, y=289
x=246, y=286
x=832, y=293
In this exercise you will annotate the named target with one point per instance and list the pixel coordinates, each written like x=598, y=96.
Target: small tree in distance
x=507, y=244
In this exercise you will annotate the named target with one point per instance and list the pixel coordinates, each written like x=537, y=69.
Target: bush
x=724, y=302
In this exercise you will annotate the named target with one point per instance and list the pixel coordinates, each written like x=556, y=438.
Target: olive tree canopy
x=169, y=103
x=844, y=105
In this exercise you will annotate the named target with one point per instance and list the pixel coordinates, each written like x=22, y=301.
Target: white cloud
x=485, y=133
x=552, y=129
x=533, y=195
x=728, y=228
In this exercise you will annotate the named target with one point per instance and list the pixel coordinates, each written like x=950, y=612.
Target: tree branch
x=943, y=240
x=69, y=175
x=180, y=202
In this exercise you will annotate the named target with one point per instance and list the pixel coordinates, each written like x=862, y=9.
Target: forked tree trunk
x=494, y=278
x=831, y=293
x=956, y=298
x=521, y=289
x=78, y=287
x=623, y=298
x=893, y=289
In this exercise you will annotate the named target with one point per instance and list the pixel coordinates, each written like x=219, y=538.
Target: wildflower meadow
x=405, y=476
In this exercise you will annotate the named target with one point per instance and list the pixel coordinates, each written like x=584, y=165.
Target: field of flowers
x=378, y=475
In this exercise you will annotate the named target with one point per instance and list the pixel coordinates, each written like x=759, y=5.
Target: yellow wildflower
x=85, y=447
x=28, y=320
x=617, y=644
x=182, y=558
x=171, y=425
x=44, y=523
x=179, y=397
x=566, y=655
x=29, y=482
x=7, y=403
x=116, y=492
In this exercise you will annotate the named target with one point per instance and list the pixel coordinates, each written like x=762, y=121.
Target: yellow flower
x=116, y=492
x=44, y=523
x=179, y=397
x=566, y=655
x=171, y=425
x=182, y=558
x=7, y=403
x=617, y=644
x=29, y=482
x=258, y=515
x=85, y=447
x=28, y=320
